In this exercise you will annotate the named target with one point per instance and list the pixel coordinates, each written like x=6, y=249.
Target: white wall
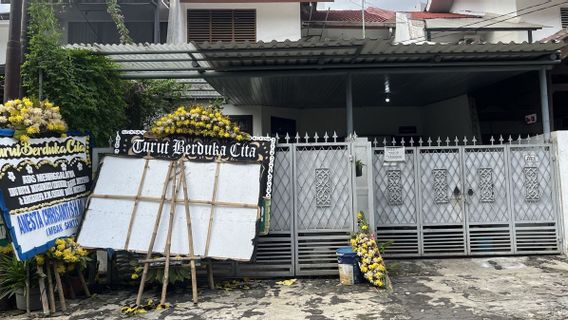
x=445, y=118
x=450, y=117
x=560, y=141
x=255, y=111
x=548, y=17
x=274, y=21
x=492, y=6
x=3, y=40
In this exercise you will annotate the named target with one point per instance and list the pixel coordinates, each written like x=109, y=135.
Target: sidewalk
x=482, y=288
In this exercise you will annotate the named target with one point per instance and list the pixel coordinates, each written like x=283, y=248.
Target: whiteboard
x=107, y=219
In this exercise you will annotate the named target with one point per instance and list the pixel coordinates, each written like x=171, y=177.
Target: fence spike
x=457, y=141
x=429, y=142
x=325, y=137
x=439, y=141
x=375, y=142
x=402, y=141
x=110, y=140
x=277, y=137
x=465, y=140
x=501, y=139
x=316, y=137
x=519, y=139
x=355, y=135
x=492, y=140
x=474, y=140
x=287, y=138
x=393, y=142
x=528, y=138
x=510, y=139
x=297, y=137
x=420, y=141
x=307, y=137
x=411, y=142
x=447, y=141
x=334, y=136
x=384, y=142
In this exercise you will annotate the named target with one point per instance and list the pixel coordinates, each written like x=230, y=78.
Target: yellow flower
x=24, y=138
x=40, y=259
x=32, y=130
x=360, y=215
x=134, y=276
x=60, y=268
x=364, y=227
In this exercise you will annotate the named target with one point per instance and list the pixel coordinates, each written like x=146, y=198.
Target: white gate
x=452, y=199
x=312, y=209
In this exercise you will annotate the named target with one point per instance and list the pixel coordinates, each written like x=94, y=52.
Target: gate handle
x=457, y=192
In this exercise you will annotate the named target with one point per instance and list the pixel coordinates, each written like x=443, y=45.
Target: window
x=221, y=25
x=564, y=17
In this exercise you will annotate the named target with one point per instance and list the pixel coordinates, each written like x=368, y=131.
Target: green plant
x=177, y=273
x=148, y=99
x=86, y=85
x=113, y=8
x=13, y=274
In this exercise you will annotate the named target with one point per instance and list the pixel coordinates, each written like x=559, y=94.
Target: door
x=487, y=200
x=442, y=201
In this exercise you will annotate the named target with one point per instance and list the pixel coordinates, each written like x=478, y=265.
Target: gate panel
x=532, y=188
x=396, y=213
x=324, y=215
x=487, y=200
x=274, y=254
x=441, y=197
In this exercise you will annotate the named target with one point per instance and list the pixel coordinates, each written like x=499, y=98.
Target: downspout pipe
x=545, y=110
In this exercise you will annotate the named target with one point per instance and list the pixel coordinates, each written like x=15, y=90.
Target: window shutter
x=564, y=17
x=221, y=25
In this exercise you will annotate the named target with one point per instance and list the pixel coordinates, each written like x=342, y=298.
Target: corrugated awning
x=192, y=60
x=303, y=74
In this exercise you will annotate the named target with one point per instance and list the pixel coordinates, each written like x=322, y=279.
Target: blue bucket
x=348, y=263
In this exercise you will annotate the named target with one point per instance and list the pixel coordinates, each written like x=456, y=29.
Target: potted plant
x=359, y=168
x=13, y=274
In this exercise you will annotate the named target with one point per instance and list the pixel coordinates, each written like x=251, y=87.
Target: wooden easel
x=178, y=182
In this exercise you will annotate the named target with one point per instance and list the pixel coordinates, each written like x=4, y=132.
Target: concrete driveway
x=533, y=287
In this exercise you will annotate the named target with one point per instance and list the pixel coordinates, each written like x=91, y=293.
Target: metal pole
x=157, y=38
x=363, y=17
x=544, y=104
x=24, y=39
x=13, y=52
x=349, y=104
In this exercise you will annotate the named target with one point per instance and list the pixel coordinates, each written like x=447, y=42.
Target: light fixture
x=387, y=89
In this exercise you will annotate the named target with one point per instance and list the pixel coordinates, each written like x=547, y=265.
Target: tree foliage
x=86, y=85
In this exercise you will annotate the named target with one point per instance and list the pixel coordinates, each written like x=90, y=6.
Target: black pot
x=358, y=171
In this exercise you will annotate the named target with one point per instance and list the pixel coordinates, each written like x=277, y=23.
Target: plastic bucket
x=348, y=264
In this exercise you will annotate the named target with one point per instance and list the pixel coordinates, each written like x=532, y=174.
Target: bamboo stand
x=176, y=175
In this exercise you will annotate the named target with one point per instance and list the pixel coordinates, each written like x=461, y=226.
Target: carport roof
x=307, y=73
x=191, y=60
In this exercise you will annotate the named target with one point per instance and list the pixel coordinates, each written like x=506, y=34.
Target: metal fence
x=455, y=197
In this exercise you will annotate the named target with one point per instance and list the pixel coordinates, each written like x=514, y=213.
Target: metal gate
x=453, y=199
x=312, y=210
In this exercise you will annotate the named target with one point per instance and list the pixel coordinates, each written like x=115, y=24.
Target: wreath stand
x=178, y=183
x=48, y=304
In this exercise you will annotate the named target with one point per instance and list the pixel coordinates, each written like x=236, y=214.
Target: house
x=456, y=184
x=507, y=20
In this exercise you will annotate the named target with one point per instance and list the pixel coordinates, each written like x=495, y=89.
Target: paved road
x=483, y=288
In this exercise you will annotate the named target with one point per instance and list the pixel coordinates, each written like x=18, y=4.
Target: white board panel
x=233, y=229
